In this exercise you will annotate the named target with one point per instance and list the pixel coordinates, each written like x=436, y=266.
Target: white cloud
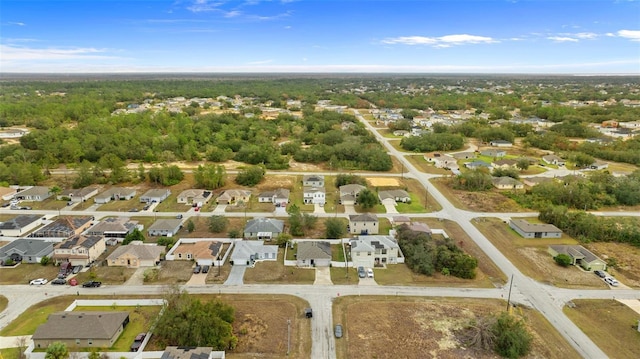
x=14, y=53
x=440, y=42
x=562, y=39
x=633, y=35
x=16, y=23
x=586, y=35
x=204, y=6
x=234, y=13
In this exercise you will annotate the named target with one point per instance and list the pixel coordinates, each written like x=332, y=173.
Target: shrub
x=512, y=340
x=563, y=260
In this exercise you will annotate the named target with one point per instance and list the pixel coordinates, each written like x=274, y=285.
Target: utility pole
x=288, y=336
x=509, y=296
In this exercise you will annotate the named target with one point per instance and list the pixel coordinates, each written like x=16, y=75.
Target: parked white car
x=369, y=272
x=612, y=281
x=39, y=281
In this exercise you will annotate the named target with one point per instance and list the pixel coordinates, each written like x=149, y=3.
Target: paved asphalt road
x=548, y=300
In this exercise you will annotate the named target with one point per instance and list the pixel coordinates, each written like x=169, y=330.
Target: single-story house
x=441, y=160
x=370, y=251
x=313, y=254
x=234, y=196
x=579, y=256
x=26, y=250
x=112, y=227
x=313, y=181
x=532, y=181
x=314, y=195
x=136, y=254
x=554, y=160
x=279, y=197
x=505, y=164
x=464, y=155
x=192, y=353
x=500, y=143
x=477, y=165
x=194, y=196
x=79, y=249
x=506, y=182
x=115, y=194
x=35, y=193
x=165, y=227
x=202, y=252
x=19, y=225
x=492, y=152
x=363, y=224
x=349, y=193
x=400, y=220
x=64, y=227
x=246, y=253
x=79, y=194
x=155, y=195
x=263, y=228
x=394, y=196
x=535, y=230
x=81, y=329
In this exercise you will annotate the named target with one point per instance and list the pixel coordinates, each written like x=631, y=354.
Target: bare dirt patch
x=486, y=201
x=626, y=258
x=423, y=328
x=383, y=182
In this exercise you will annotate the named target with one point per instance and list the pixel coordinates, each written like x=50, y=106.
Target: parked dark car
x=197, y=269
x=91, y=284
x=59, y=281
x=137, y=342
x=205, y=269
x=361, y=272
x=338, y=331
x=308, y=313
x=600, y=273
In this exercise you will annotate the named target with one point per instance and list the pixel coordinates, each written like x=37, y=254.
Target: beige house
x=202, y=252
x=79, y=194
x=506, y=183
x=135, y=255
x=234, y=196
x=370, y=251
x=363, y=224
x=81, y=329
x=79, y=250
x=313, y=254
x=194, y=196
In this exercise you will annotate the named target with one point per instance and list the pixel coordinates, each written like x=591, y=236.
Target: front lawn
x=276, y=272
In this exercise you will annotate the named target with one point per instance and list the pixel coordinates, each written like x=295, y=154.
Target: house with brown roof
x=534, y=181
x=114, y=227
x=64, y=227
x=505, y=164
x=313, y=254
x=7, y=193
x=202, y=252
x=194, y=196
x=535, y=230
x=81, y=329
x=135, y=255
x=79, y=250
x=234, y=196
x=579, y=256
x=400, y=220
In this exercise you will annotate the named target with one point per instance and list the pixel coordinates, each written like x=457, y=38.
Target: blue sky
x=472, y=36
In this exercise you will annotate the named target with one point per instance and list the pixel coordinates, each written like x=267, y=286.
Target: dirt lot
x=383, y=182
x=395, y=327
x=172, y=272
x=486, y=201
x=626, y=256
x=610, y=324
x=532, y=259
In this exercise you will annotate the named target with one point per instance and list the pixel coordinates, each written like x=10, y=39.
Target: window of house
x=78, y=341
x=179, y=255
x=90, y=341
x=368, y=253
x=384, y=251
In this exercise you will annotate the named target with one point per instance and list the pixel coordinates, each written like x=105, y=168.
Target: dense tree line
x=427, y=256
x=473, y=180
x=429, y=142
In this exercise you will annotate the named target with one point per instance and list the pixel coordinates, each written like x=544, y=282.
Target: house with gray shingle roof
x=77, y=195
x=506, y=182
x=554, y=160
x=117, y=227
x=313, y=254
x=313, y=181
x=165, y=227
x=393, y=196
x=279, y=197
x=493, y=153
x=191, y=353
x=81, y=329
x=79, y=249
x=314, y=195
x=247, y=253
x=579, y=256
x=19, y=225
x=155, y=195
x=535, y=230
x=26, y=250
x=263, y=228
x=370, y=251
x=349, y=193
x=115, y=194
x=135, y=255
x=64, y=227
x=363, y=224
x=477, y=165
x=35, y=193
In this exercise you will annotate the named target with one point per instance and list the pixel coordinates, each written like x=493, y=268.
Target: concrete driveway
x=197, y=279
x=137, y=278
x=390, y=208
x=221, y=208
x=317, y=208
x=236, y=276
x=349, y=209
x=323, y=276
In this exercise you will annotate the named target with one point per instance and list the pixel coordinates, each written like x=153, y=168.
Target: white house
x=535, y=230
x=370, y=251
x=155, y=195
x=314, y=195
x=247, y=253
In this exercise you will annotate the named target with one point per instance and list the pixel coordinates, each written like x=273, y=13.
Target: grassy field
x=107, y=275
x=408, y=327
x=423, y=165
x=25, y=272
x=172, y=272
x=28, y=321
x=485, y=201
x=610, y=324
x=344, y=275
x=276, y=272
x=3, y=303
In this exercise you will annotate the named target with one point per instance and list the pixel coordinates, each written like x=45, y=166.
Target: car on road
x=205, y=268
x=338, y=331
x=197, y=209
x=308, y=313
x=59, y=281
x=361, y=272
x=612, y=281
x=197, y=269
x=600, y=273
x=369, y=272
x=39, y=281
x=179, y=216
x=91, y=284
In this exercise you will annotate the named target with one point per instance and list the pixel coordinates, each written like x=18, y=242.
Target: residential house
x=464, y=155
x=599, y=165
x=19, y=225
x=79, y=250
x=263, y=228
x=579, y=256
x=194, y=196
x=554, y=160
x=500, y=143
x=313, y=254
x=363, y=224
x=7, y=193
x=167, y=227
x=492, y=152
x=35, y=194
x=394, y=196
x=234, y=196
x=441, y=161
x=371, y=251
x=349, y=193
x=135, y=255
x=82, y=329
x=506, y=183
x=505, y=164
x=155, y=195
x=247, y=253
x=115, y=194
x=314, y=195
x=533, y=181
x=477, y=165
x=113, y=227
x=279, y=197
x=78, y=195
x=26, y=250
x=64, y=227
x=192, y=353
x=400, y=220
x=202, y=252
x=534, y=230
x=313, y=181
